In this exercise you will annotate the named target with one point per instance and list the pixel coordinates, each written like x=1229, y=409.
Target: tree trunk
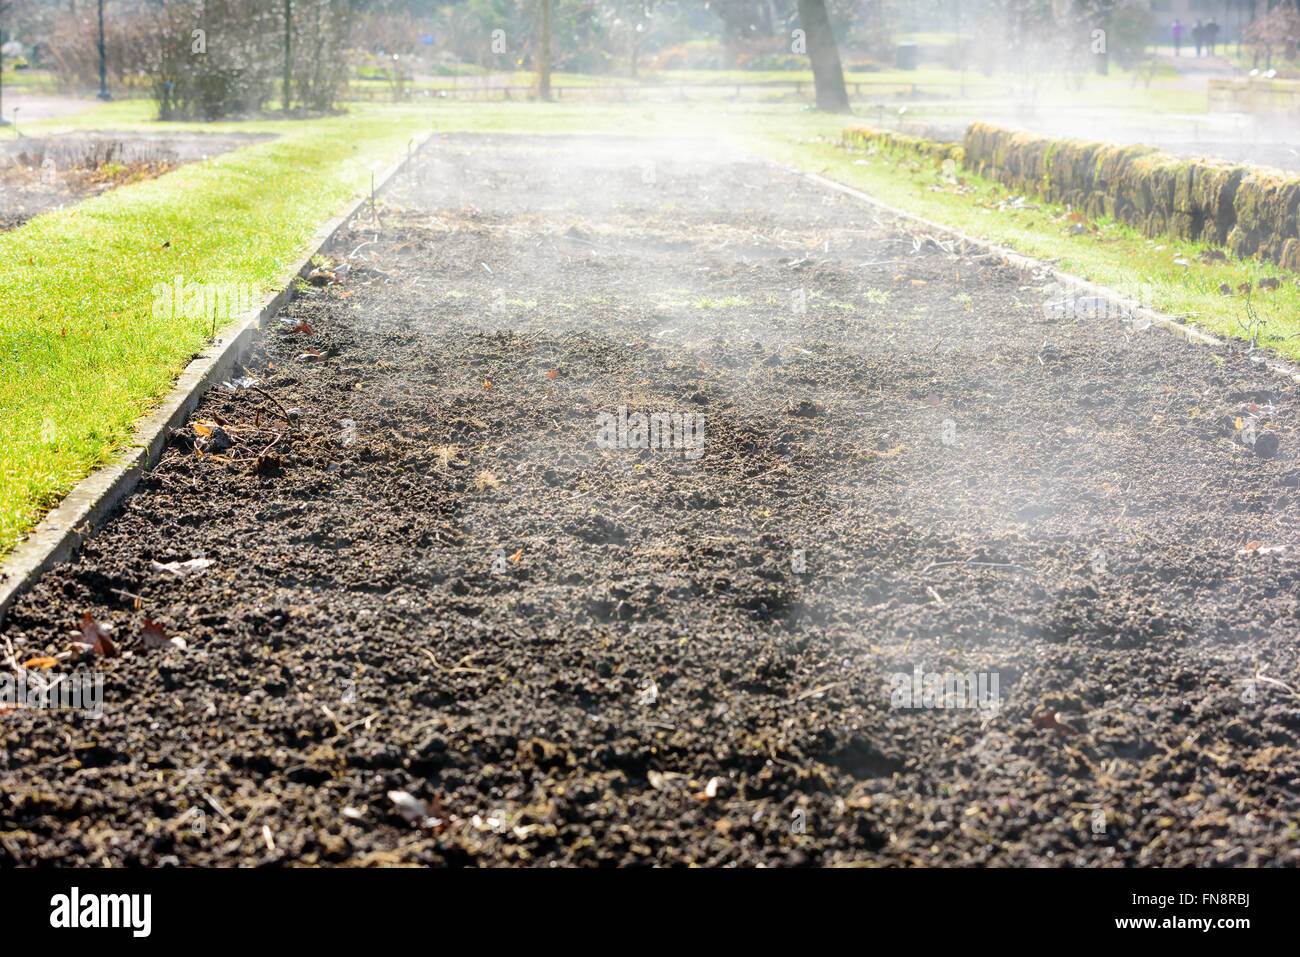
x=288, y=40
x=636, y=50
x=544, y=54
x=828, y=75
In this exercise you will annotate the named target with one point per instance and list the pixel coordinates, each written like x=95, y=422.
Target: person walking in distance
x=1176, y=31
x=1211, y=34
x=1198, y=36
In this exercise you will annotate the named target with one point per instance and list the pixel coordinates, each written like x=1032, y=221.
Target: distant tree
x=745, y=19
x=1278, y=31
x=1111, y=28
x=322, y=35
x=544, y=51
x=828, y=74
x=5, y=6
x=634, y=21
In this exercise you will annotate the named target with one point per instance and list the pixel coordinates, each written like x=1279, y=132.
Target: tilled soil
x=431, y=576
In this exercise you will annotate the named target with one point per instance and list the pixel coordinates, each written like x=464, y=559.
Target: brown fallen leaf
x=303, y=327
x=1256, y=549
x=155, y=636
x=43, y=664
x=552, y=374
x=94, y=637
x=1052, y=721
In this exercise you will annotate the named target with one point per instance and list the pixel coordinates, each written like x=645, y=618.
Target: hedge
x=1251, y=210
x=863, y=137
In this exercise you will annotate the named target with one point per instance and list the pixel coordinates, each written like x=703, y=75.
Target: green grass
x=1117, y=89
x=519, y=80
x=81, y=355
x=27, y=81
x=933, y=38
x=526, y=79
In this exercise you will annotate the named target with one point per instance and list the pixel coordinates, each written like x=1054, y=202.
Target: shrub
x=207, y=59
x=212, y=59
x=1254, y=211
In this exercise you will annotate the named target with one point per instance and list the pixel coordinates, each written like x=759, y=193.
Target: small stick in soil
x=458, y=668
x=818, y=690
x=217, y=807
x=269, y=445
x=284, y=413
x=13, y=662
x=972, y=564
x=126, y=594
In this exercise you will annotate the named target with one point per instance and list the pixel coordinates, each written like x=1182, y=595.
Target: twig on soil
x=1277, y=684
x=32, y=677
x=366, y=721
x=284, y=413
x=767, y=472
x=220, y=810
x=126, y=594
x=459, y=668
x=343, y=729
x=811, y=692
x=974, y=564
x=13, y=661
x=270, y=445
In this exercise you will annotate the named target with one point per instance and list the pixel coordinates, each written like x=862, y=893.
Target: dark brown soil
x=38, y=174
x=581, y=655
